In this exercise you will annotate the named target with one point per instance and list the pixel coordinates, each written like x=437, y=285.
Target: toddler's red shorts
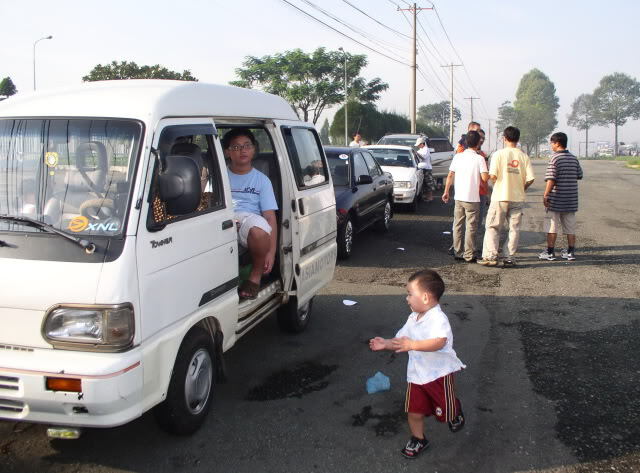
x=437, y=398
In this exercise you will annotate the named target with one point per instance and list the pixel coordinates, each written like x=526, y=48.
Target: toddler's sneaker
x=568, y=256
x=457, y=424
x=414, y=447
x=547, y=256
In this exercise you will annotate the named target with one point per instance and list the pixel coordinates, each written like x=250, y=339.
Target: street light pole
x=34, y=58
x=346, y=100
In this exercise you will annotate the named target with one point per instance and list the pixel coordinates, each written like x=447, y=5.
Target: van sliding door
x=314, y=211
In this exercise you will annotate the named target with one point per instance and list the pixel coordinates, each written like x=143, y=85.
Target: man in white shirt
x=356, y=141
x=468, y=169
x=422, y=143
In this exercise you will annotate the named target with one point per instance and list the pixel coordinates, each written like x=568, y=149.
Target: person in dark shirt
x=561, y=197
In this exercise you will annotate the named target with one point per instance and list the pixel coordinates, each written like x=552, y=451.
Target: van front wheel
x=190, y=389
x=292, y=319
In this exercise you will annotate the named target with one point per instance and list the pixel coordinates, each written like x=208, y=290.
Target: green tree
x=535, y=109
x=506, y=115
x=130, y=70
x=7, y=88
x=617, y=98
x=310, y=82
x=324, y=133
x=437, y=114
x=583, y=116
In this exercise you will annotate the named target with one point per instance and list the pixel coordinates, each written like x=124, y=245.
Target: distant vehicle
x=363, y=191
x=441, y=151
x=408, y=178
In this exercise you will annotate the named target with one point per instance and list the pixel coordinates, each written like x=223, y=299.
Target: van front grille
x=8, y=405
x=9, y=383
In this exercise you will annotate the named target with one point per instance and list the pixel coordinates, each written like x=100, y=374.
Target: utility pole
x=471, y=99
x=346, y=100
x=414, y=67
x=488, y=133
x=451, y=66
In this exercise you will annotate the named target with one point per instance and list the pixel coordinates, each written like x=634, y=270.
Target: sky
x=575, y=43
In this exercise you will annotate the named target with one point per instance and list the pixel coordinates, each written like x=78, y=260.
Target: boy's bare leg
x=416, y=424
x=551, y=239
x=571, y=241
x=259, y=243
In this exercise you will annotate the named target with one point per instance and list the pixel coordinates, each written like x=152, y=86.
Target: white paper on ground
x=400, y=248
x=447, y=233
x=347, y=302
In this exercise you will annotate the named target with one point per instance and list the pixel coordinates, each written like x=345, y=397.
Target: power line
x=379, y=22
x=345, y=35
x=359, y=31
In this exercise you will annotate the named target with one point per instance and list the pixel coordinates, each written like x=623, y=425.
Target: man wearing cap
x=422, y=143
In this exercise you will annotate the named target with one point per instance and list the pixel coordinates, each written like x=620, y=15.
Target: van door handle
x=227, y=224
x=301, y=206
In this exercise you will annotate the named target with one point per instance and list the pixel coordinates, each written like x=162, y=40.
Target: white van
x=120, y=268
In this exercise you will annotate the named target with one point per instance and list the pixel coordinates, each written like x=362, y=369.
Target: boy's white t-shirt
x=468, y=165
x=426, y=366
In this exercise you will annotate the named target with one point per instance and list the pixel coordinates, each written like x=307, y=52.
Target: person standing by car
x=468, y=169
x=462, y=144
x=512, y=174
x=561, y=197
x=428, y=185
x=356, y=141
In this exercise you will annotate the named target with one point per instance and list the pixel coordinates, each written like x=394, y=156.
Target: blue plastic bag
x=377, y=383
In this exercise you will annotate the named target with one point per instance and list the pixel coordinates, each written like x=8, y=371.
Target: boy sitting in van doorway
x=254, y=206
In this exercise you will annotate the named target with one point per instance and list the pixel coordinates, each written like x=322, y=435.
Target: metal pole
x=34, y=58
x=412, y=97
x=346, y=100
x=451, y=109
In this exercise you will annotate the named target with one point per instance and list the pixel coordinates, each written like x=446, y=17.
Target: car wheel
x=190, y=388
x=345, y=239
x=413, y=206
x=384, y=224
x=294, y=319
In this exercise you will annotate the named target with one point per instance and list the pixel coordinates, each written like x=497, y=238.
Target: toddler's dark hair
x=429, y=281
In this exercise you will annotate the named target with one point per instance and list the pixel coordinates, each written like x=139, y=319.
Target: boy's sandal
x=248, y=290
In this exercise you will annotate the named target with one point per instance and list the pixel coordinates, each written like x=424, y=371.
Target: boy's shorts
x=246, y=221
x=437, y=398
x=553, y=221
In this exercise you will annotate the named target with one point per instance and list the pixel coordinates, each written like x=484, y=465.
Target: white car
x=402, y=163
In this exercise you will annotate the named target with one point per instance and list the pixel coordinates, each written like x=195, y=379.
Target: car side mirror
x=365, y=179
x=432, y=150
x=422, y=165
x=179, y=185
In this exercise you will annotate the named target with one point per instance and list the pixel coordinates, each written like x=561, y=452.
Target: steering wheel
x=98, y=209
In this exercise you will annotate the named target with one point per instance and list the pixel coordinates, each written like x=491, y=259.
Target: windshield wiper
x=87, y=245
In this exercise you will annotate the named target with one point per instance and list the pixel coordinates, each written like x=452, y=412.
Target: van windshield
x=72, y=174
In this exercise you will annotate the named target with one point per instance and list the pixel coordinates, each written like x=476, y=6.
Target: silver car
x=440, y=148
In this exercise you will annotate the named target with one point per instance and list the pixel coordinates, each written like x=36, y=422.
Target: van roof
x=147, y=100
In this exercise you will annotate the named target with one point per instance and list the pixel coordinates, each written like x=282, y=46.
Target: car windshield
x=440, y=146
x=74, y=175
x=393, y=157
x=339, y=167
x=397, y=141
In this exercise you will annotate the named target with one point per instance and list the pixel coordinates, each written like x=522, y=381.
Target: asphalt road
x=551, y=349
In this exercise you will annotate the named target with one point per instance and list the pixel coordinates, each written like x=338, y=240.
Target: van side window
x=306, y=156
x=192, y=142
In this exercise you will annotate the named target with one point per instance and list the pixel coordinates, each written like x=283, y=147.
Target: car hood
x=400, y=173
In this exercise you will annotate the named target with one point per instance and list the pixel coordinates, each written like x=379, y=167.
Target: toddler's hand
x=376, y=344
x=401, y=344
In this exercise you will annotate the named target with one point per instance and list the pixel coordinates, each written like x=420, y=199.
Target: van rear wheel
x=292, y=319
x=190, y=389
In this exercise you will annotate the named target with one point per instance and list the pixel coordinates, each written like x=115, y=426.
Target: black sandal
x=250, y=288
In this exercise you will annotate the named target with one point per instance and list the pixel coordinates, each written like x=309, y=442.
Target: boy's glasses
x=241, y=147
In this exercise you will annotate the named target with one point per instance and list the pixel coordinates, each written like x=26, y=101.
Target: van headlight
x=99, y=327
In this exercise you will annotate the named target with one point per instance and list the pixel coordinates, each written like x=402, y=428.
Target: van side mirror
x=365, y=179
x=179, y=185
x=432, y=150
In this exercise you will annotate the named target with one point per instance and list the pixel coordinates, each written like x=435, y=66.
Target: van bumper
x=111, y=387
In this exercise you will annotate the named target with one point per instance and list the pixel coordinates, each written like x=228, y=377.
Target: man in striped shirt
x=561, y=197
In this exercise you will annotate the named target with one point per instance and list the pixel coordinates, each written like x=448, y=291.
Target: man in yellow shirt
x=511, y=174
